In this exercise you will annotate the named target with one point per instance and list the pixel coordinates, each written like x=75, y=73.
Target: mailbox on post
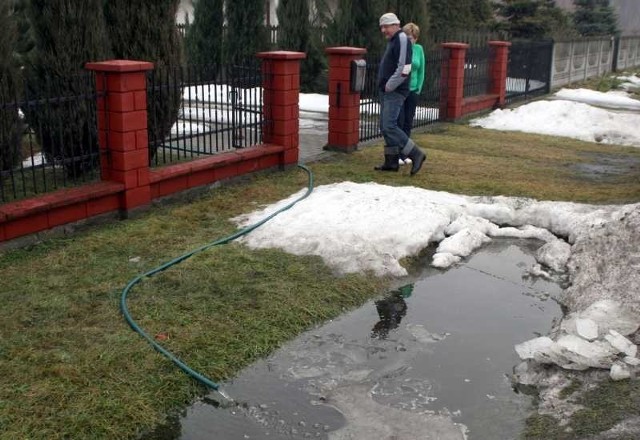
x=358, y=75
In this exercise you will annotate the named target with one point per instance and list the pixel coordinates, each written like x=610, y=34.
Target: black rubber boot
x=390, y=163
x=418, y=158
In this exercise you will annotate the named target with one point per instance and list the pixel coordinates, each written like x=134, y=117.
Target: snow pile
x=370, y=227
x=631, y=82
x=613, y=99
x=592, y=338
x=568, y=119
x=604, y=265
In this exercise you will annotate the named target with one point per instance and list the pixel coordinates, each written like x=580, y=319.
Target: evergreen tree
x=293, y=28
x=558, y=23
x=67, y=34
x=481, y=12
x=449, y=18
x=522, y=18
x=247, y=34
x=146, y=30
x=10, y=123
x=534, y=19
x=295, y=33
x=356, y=24
x=24, y=42
x=204, y=35
x=595, y=17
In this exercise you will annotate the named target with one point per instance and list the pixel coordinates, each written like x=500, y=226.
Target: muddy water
x=429, y=360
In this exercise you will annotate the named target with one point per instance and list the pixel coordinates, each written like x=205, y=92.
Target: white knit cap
x=389, y=18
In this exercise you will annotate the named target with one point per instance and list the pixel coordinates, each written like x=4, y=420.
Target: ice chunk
x=619, y=371
x=587, y=329
x=611, y=315
x=463, y=242
x=554, y=255
x=596, y=354
x=528, y=349
x=622, y=344
x=472, y=223
x=444, y=260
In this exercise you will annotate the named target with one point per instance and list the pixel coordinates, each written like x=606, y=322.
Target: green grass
x=72, y=368
x=603, y=407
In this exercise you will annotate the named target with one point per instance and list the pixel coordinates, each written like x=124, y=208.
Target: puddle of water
x=427, y=360
x=606, y=167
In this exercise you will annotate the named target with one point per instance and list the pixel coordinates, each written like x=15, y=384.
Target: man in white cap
x=393, y=82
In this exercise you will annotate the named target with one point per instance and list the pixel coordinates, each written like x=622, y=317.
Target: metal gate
x=529, y=70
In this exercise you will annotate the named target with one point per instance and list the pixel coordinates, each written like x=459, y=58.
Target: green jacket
x=417, y=69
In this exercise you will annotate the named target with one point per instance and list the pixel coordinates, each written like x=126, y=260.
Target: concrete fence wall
x=578, y=60
x=628, y=53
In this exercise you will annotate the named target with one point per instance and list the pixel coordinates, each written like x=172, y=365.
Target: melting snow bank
x=600, y=334
x=371, y=227
x=587, y=123
x=604, y=299
x=613, y=99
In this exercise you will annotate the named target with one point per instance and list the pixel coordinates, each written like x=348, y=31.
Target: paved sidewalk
x=314, y=133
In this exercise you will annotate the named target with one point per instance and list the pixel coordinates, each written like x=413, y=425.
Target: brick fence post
x=280, y=100
x=452, y=81
x=344, y=105
x=122, y=128
x=498, y=69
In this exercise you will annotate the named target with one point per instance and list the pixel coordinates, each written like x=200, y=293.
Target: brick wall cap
x=345, y=50
x=122, y=66
x=281, y=55
x=455, y=45
x=58, y=199
x=499, y=43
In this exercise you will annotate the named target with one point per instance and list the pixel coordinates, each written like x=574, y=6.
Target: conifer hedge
x=10, y=123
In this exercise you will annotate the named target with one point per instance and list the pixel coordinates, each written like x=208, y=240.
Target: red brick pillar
x=122, y=128
x=344, y=105
x=452, y=81
x=498, y=69
x=280, y=100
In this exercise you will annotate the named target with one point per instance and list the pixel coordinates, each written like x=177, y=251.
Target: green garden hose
x=123, y=299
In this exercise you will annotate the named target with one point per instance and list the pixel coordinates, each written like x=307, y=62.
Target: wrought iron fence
x=211, y=109
x=48, y=134
x=370, y=101
x=476, y=71
x=529, y=70
x=427, y=111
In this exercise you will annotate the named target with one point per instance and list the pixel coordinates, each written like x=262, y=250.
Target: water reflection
x=391, y=309
x=441, y=345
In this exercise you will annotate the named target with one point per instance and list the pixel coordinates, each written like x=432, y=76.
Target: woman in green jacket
x=417, y=79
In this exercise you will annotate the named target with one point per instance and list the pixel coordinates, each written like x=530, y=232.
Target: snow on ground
x=629, y=82
x=571, y=115
x=371, y=227
x=613, y=99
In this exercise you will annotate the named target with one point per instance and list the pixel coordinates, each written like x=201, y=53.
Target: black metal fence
x=427, y=111
x=529, y=70
x=476, y=71
x=211, y=109
x=48, y=134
